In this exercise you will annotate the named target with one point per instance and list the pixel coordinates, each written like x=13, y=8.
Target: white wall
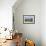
x=43, y=22
x=6, y=13
x=31, y=31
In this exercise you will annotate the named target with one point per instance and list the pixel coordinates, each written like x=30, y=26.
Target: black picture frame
x=28, y=19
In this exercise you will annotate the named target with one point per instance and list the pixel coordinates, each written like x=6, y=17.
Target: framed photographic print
x=28, y=19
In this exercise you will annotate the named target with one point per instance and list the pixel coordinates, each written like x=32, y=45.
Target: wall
x=30, y=31
x=43, y=22
x=6, y=13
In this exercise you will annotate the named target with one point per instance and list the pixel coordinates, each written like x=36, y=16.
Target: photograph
x=28, y=19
